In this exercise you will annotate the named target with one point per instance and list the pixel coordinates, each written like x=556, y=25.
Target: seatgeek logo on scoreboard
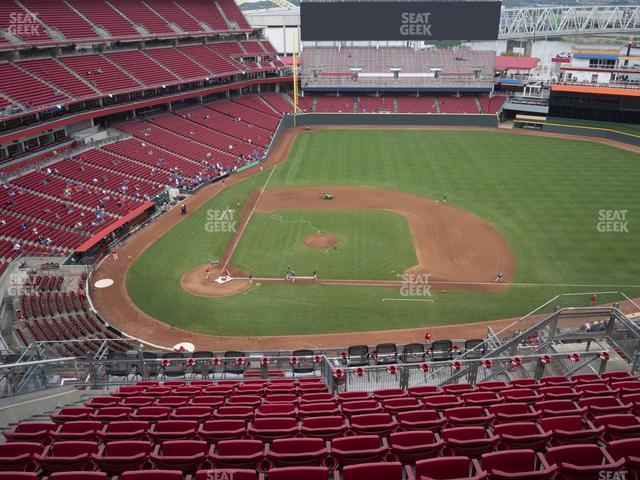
x=415, y=24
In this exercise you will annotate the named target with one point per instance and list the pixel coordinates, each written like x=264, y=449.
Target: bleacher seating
x=491, y=104
x=57, y=75
x=233, y=13
x=422, y=104
x=57, y=14
x=279, y=102
x=25, y=89
x=142, y=67
x=141, y=14
x=171, y=429
x=327, y=103
x=179, y=63
x=461, y=104
x=98, y=71
x=27, y=30
x=367, y=104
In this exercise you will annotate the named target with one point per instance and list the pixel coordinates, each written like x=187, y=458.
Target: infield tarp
x=399, y=20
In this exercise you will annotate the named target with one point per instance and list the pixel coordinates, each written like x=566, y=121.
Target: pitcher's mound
x=320, y=240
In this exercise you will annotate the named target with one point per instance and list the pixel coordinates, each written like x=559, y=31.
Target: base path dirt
x=117, y=308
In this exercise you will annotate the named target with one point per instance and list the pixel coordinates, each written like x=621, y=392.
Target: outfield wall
x=593, y=132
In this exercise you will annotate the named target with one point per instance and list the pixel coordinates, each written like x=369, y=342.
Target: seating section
x=175, y=428
x=492, y=104
x=142, y=67
x=25, y=89
x=29, y=28
x=57, y=14
x=54, y=73
x=461, y=104
x=103, y=15
x=179, y=63
x=334, y=104
x=99, y=72
x=422, y=104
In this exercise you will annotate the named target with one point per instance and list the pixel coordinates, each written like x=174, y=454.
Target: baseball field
x=421, y=223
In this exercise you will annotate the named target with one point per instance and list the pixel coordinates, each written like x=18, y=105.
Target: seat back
x=629, y=447
x=230, y=473
x=152, y=475
x=516, y=429
x=582, y=455
x=126, y=448
x=412, y=438
x=373, y=471
x=296, y=473
x=464, y=433
x=238, y=447
x=356, y=443
x=444, y=468
x=512, y=461
x=568, y=423
x=297, y=445
x=72, y=449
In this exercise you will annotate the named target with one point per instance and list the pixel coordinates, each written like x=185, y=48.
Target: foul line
x=237, y=240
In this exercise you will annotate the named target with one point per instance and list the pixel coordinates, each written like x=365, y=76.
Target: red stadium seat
x=18, y=456
x=324, y=409
x=522, y=435
x=298, y=473
x=111, y=414
x=570, y=429
x=80, y=430
x=115, y=458
x=558, y=408
x=604, y=405
x=527, y=395
x=242, y=412
x=99, y=402
x=171, y=401
x=151, y=414
x=586, y=378
x=469, y=441
x=373, y=424
x=381, y=395
x=18, y=476
x=557, y=381
x=215, y=430
x=206, y=401
x=317, y=398
x=191, y=412
x=66, y=456
x=517, y=464
x=237, y=454
x=173, y=430
x=618, y=426
x=288, y=452
x=30, y=432
x=626, y=387
x=628, y=451
x=595, y=389
x=421, y=420
x=403, y=404
x=530, y=383
x=493, y=386
x=353, y=396
x=577, y=462
x=252, y=401
x=152, y=475
x=514, y=412
x=480, y=399
x=270, y=428
x=448, y=468
x=559, y=393
x=462, y=416
x=184, y=455
x=458, y=388
x=358, y=449
x=411, y=446
x=229, y=473
x=276, y=410
x=618, y=376
x=441, y=402
x=76, y=476
x=126, y=430
x=290, y=398
x=374, y=471
x=424, y=391
x=135, y=401
x=324, y=427
x=361, y=407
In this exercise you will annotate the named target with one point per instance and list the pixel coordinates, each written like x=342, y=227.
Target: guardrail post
x=142, y=366
x=603, y=366
x=472, y=374
x=404, y=377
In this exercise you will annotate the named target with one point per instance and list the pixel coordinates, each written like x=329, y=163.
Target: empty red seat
x=215, y=430
x=469, y=441
x=151, y=414
x=559, y=393
x=157, y=391
x=269, y=428
x=421, y=420
x=514, y=412
x=117, y=457
x=191, y=412
x=276, y=410
x=522, y=435
x=373, y=471
x=297, y=473
x=99, y=402
x=448, y=468
x=241, y=412
x=206, y=401
x=627, y=450
x=570, y=429
x=184, y=455
x=152, y=475
x=286, y=452
x=586, y=378
x=380, y=395
x=493, y=386
x=458, y=388
x=18, y=456
x=411, y=446
x=75, y=476
x=558, y=408
x=441, y=402
x=323, y=409
x=18, y=476
x=324, y=427
x=353, y=396
x=618, y=376
x=290, y=398
x=480, y=399
x=604, y=405
x=424, y=391
x=525, y=383
x=468, y=416
x=66, y=456
x=373, y=424
x=312, y=387
x=129, y=390
x=618, y=426
x=67, y=414
x=517, y=464
x=527, y=395
x=30, y=432
x=244, y=400
x=317, y=398
x=124, y=430
x=230, y=473
x=557, y=381
x=136, y=401
x=361, y=407
x=401, y=404
x=111, y=414
x=595, y=389
x=171, y=401
x=578, y=462
x=237, y=454
x=218, y=390
x=358, y=449
x=81, y=430
x=187, y=391
x=173, y=430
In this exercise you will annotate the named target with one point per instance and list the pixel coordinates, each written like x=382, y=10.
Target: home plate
x=223, y=280
x=104, y=283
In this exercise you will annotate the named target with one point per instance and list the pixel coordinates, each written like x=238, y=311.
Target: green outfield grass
x=627, y=128
x=372, y=245
x=545, y=195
